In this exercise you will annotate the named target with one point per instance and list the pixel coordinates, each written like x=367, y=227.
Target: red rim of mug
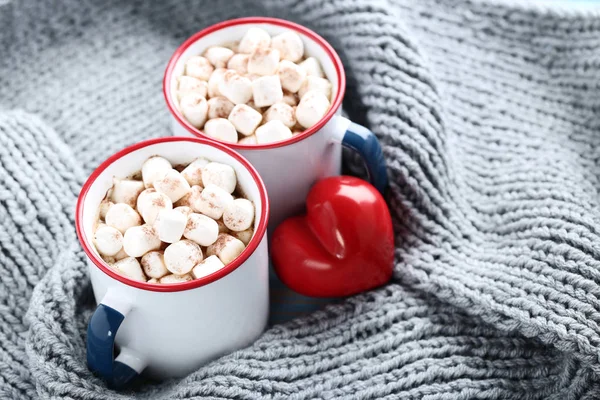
x=172, y=287
x=334, y=57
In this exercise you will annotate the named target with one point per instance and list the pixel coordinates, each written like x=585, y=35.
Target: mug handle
x=101, y=333
x=366, y=144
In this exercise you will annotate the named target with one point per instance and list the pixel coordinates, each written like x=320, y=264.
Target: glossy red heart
x=344, y=244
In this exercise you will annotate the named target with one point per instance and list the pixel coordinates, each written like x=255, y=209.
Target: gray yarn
x=489, y=116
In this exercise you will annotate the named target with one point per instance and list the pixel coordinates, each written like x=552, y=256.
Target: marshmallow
x=222, y=227
x=130, y=267
x=193, y=172
x=291, y=76
x=313, y=106
x=272, y=131
x=138, y=240
x=170, y=225
x=206, y=267
x=213, y=82
x=263, y=61
x=143, y=198
x=244, y=236
x=212, y=201
x=239, y=215
x=172, y=278
x=252, y=77
x=188, y=84
x=109, y=241
x=153, y=264
x=198, y=67
x=281, y=112
x=151, y=202
x=219, y=107
x=236, y=88
x=154, y=168
x=227, y=248
x=315, y=83
x=103, y=209
x=253, y=39
x=221, y=175
x=312, y=67
x=267, y=91
x=194, y=108
x=201, y=229
x=122, y=217
x=180, y=257
x=239, y=63
x=173, y=185
x=218, y=56
x=185, y=210
x=153, y=280
x=290, y=46
x=248, y=140
x=245, y=119
x=126, y=191
x=297, y=131
x=221, y=129
x=290, y=99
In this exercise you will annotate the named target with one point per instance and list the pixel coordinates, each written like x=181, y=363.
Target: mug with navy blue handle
x=289, y=167
x=170, y=330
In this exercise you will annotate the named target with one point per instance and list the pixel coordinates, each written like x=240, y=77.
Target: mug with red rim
x=169, y=330
x=289, y=167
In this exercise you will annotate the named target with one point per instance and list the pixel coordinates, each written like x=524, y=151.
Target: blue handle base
x=363, y=141
x=101, y=333
x=122, y=375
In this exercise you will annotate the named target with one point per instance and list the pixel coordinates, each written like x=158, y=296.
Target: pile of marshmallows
x=261, y=90
x=158, y=229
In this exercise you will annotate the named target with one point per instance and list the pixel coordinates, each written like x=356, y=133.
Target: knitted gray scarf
x=490, y=119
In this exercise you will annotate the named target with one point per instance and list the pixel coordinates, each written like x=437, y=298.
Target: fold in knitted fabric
x=488, y=116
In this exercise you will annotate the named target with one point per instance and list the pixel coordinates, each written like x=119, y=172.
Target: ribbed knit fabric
x=490, y=121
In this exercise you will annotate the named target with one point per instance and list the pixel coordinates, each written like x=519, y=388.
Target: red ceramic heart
x=344, y=244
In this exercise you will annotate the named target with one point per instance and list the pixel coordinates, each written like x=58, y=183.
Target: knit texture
x=489, y=117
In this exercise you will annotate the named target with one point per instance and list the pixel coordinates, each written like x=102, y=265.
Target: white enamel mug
x=169, y=330
x=289, y=167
